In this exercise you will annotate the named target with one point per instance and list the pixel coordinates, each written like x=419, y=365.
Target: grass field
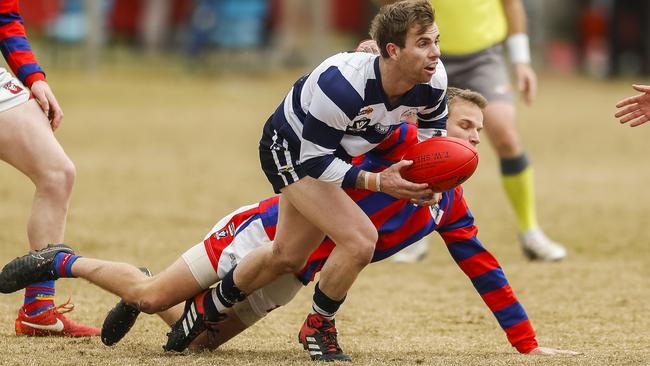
x=161, y=156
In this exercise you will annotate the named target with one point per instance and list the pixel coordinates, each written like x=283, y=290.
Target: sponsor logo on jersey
x=229, y=230
x=233, y=260
x=437, y=132
x=365, y=111
x=13, y=88
x=408, y=115
x=381, y=128
x=359, y=124
x=286, y=169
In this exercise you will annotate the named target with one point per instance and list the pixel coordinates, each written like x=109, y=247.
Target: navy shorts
x=279, y=162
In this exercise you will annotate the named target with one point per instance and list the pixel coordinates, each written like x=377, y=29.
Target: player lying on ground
x=398, y=222
x=637, y=108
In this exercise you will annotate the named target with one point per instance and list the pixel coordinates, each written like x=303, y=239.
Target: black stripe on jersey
x=441, y=109
x=315, y=167
x=422, y=95
x=339, y=90
x=320, y=133
x=440, y=124
x=373, y=93
x=280, y=123
x=295, y=98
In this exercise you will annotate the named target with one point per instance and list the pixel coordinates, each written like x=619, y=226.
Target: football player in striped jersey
x=398, y=222
x=29, y=113
x=345, y=107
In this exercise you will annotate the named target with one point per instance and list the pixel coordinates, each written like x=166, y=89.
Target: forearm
x=369, y=181
x=515, y=16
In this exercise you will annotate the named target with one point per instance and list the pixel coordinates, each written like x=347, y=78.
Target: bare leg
x=227, y=330
x=28, y=143
x=308, y=209
x=150, y=294
x=501, y=128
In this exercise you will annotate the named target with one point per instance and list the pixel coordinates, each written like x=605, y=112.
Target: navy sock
x=224, y=295
x=324, y=305
x=229, y=293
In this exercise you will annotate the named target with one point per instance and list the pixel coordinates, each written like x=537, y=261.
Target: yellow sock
x=520, y=190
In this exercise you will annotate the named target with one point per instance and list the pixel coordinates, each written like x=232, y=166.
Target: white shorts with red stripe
x=12, y=91
x=230, y=240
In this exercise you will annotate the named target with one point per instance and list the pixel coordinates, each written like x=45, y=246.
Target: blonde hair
x=454, y=94
x=394, y=20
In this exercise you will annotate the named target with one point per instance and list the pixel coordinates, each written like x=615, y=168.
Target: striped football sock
x=39, y=297
x=63, y=264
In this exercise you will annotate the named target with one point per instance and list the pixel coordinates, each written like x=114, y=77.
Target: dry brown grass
x=161, y=156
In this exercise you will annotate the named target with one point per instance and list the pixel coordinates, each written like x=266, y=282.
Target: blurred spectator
x=629, y=37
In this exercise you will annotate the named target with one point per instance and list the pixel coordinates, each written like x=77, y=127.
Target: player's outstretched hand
x=392, y=183
x=547, y=351
x=526, y=82
x=637, y=108
x=48, y=103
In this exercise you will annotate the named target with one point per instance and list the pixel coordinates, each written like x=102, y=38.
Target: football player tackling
x=398, y=222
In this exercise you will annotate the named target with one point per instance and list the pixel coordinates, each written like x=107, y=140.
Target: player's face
x=465, y=121
x=419, y=57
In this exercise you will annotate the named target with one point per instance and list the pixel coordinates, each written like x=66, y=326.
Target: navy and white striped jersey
x=340, y=111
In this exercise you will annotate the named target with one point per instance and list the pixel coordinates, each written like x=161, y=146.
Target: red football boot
x=52, y=322
x=318, y=337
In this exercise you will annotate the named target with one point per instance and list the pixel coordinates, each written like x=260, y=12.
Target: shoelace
x=66, y=307
x=328, y=335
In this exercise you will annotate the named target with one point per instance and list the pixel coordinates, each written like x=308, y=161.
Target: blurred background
x=601, y=38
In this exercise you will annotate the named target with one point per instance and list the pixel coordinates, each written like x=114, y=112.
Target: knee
x=507, y=146
x=152, y=303
x=284, y=261
x=145, y=297
x=58, y=181
x=361, y=245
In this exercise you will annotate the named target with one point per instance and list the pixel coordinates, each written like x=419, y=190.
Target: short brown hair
x=394, y=20
x=453, y=94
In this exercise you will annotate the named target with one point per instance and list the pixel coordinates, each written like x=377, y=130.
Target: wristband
x=518, y=48
x=378, y=182
x=365, y=180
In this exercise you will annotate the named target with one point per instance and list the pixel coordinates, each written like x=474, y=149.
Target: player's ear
x=393, y=50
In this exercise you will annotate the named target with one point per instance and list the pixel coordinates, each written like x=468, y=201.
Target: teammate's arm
x=519, y=48
x=637, y=108
x=22, y=61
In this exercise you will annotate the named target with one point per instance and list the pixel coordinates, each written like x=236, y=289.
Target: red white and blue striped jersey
x=340, y=111
x=400, y=223
x=14, y=45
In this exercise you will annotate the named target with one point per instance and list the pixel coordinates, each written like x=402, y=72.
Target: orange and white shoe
x=52, y=322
